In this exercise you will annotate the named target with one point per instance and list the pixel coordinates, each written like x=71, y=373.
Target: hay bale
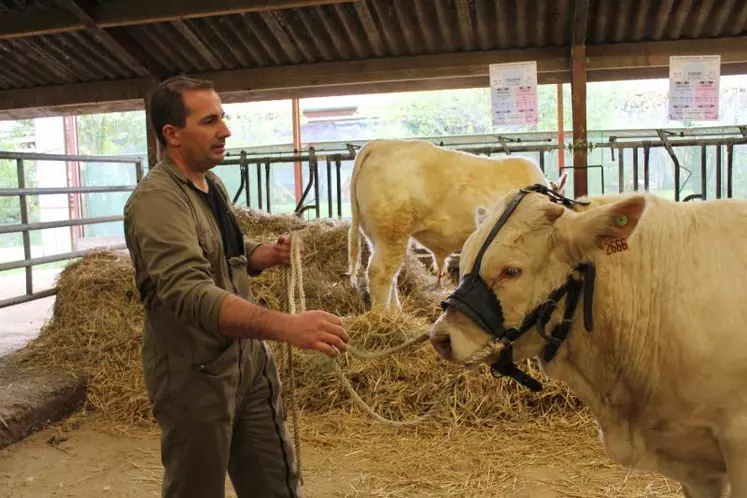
x=96, y=329
x=97, y=323
x=264, y=226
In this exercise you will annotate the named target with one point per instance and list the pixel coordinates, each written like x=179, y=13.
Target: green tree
x=259, y=123
x=9, y=142
x=458, y=112
x=10, y=207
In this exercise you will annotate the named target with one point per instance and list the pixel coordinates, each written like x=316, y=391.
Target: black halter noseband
x=476, y=299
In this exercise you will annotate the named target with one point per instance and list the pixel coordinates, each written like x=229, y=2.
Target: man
x=210, y=378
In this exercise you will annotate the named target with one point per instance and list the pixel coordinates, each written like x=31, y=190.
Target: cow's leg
x=733, y=443
x=709, y=488
x=439, y=266
x=383, y=267
x=699, y=479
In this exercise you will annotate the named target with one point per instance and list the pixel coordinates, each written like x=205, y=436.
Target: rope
x=292, y=277
x=297, y=304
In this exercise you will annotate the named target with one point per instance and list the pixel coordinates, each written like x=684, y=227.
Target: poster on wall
x=513, y=93
x=694, y=87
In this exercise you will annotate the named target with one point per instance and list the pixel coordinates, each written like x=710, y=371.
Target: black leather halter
x=476, y=300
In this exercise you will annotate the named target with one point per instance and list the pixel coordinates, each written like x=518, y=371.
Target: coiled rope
x=296, y=298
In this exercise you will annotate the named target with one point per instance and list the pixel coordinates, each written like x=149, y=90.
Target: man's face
x=202, y=141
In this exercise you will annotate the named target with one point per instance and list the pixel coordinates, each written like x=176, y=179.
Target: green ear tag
x=621, y=220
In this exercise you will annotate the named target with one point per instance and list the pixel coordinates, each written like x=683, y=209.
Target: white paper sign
x=513, y=93
x=694, y=87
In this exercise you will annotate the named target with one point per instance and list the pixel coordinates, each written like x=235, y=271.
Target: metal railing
x=332, y=154
x=312, y=158
x=542, y=143
x=727, y=137
x=26, y=228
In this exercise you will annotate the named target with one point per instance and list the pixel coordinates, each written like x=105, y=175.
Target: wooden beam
x=656, y=54
x=100, y=93
x=578, y=97
x=382, y=70
x=432, y=72
x=649, y=73
x=105, y=38
x=130, y=12
x=298, y=78
x=106, y=105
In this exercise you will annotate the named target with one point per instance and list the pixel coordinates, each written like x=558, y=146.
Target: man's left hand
x=282, y=251
x=267, y=256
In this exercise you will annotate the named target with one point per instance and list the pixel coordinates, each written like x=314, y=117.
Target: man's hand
x=282, y=251
x=267, y=256
x=317, y=330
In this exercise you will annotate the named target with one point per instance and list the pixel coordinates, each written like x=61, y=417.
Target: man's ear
x=597, y=227
x=481, y=214
x=170, y=133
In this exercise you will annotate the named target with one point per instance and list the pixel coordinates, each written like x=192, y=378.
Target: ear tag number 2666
x=617, y=245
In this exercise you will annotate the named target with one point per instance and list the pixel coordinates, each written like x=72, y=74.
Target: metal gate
x=25, y=227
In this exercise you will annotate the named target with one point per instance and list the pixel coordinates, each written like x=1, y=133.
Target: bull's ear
x=481, y=214
x=607, y=224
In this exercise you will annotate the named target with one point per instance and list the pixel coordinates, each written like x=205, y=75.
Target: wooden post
x=297, y=148
x=578, y=98
x=561, y=131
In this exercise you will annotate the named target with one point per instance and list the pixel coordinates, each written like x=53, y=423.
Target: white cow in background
x=664, y=368
x=411, y=188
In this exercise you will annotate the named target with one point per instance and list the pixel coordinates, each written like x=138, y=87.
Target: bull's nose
x=442, y=345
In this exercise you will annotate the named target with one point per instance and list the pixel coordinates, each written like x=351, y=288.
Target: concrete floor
x=22, y=322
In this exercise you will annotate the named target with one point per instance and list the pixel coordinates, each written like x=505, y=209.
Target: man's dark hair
x=166, y=103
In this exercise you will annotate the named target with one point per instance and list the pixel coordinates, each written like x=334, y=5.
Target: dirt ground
x=344, y=456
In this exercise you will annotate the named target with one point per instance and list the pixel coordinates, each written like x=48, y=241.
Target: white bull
x=411, y=188
x=664, y=367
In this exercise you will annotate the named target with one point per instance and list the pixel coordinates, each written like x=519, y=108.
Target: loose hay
x=97, y=322
x=404, y=385
x=96, y=330
x=267, y=227
x=558, y=457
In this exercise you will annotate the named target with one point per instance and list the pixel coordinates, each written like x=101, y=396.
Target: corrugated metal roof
x=349, y=31
x=8, y=6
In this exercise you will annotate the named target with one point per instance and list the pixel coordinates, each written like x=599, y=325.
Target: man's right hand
x=317, y=330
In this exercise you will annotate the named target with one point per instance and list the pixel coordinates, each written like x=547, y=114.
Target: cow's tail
x=354, y=249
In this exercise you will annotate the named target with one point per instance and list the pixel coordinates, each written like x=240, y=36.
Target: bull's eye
x=510, y=272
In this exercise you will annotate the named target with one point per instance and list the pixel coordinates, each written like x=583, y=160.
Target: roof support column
x=578, y=98
x=297, y=146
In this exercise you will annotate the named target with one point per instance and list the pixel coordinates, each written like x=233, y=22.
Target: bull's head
x=535, y=245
